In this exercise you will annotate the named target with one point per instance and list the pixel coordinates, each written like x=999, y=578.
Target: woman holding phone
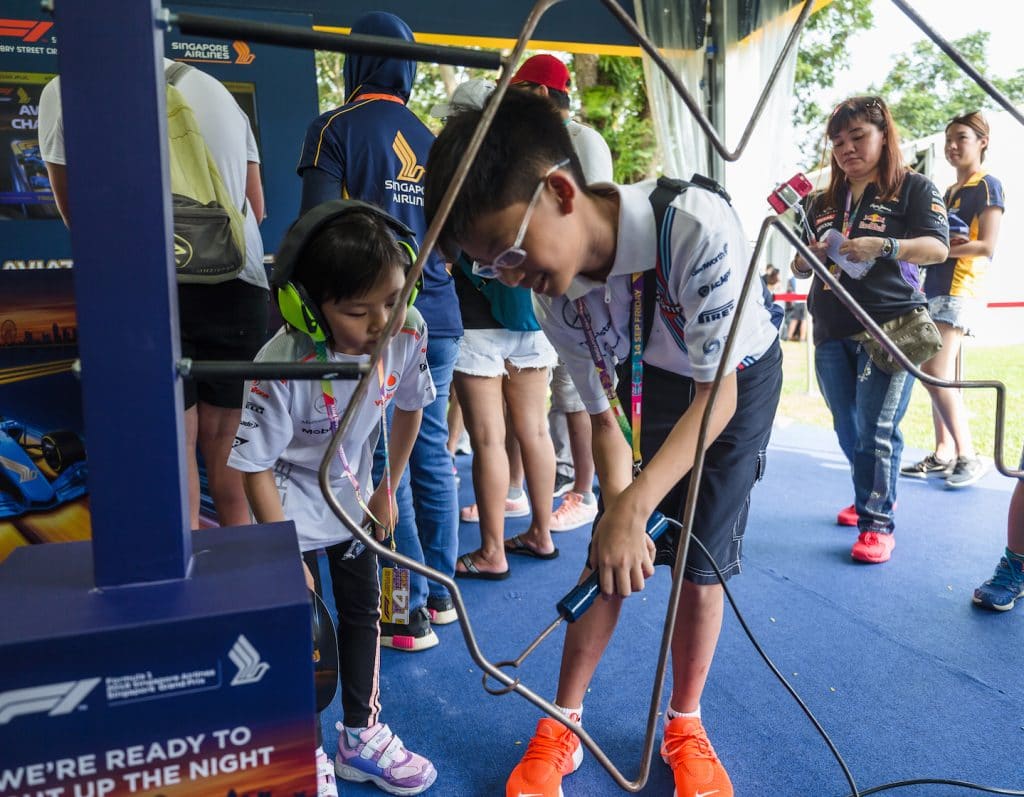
x=891, y=220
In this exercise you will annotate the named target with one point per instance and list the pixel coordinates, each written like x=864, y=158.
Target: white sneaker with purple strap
x=380, y=757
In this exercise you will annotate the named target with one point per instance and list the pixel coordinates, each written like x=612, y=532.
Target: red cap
x=544, y=70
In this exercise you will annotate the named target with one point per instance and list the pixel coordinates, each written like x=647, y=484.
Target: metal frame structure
x=164, y=393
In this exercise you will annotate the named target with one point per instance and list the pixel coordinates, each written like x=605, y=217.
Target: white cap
x=468, y=96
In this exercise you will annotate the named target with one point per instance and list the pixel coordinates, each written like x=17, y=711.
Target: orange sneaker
x=554, y=751
x=695, y=767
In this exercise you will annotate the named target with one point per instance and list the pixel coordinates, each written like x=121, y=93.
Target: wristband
x=890, y=248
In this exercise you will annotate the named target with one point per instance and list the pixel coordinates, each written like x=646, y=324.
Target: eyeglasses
x=515, y=254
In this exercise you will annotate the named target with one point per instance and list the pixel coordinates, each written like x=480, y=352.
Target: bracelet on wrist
x=890, y=248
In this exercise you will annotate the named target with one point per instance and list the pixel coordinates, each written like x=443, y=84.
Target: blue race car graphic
x=24, y=483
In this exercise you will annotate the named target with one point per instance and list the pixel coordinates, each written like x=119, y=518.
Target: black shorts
x=732, y=464
x=225, y=321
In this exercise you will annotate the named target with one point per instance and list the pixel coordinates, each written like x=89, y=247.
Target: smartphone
x=789, y=193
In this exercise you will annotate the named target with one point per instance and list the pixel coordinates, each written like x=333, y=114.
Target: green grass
x=1003, y=363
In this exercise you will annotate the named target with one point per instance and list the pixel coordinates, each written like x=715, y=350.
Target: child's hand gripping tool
x=573, y=606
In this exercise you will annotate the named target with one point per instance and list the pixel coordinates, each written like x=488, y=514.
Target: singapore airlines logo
x=52, y=699
x=411, y=171
x=247, y=659
x=245, y=55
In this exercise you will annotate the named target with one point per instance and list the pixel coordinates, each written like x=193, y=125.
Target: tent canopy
x=572, y=25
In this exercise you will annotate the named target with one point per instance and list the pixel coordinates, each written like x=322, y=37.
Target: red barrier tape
x=802, y=297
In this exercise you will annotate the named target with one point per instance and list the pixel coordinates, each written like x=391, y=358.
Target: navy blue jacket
x=374, y=148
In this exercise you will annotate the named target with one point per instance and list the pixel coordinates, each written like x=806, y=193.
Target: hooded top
x=374, y=148
x=371, y=74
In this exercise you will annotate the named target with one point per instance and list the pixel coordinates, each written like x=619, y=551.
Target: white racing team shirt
x=709, y=259
x=285, y=427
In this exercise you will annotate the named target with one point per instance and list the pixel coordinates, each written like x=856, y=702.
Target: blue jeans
x=428, y=503
x=867, y=406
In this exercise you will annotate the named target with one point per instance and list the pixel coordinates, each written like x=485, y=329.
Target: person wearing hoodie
x=374, y=148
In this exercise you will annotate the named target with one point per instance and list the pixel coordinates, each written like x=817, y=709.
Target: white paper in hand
x=856, y=270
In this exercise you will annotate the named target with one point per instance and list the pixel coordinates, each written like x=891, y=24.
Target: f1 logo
x=28, y=30
x=53, y=700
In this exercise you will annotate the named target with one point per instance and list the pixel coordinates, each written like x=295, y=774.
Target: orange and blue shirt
x=962, y=276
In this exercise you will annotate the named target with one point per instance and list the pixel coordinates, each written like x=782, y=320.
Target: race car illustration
x=35, y=476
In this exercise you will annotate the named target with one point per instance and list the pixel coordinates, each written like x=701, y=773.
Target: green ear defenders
x=296, y=306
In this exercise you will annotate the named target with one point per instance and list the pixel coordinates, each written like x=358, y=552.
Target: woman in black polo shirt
x=892, y=220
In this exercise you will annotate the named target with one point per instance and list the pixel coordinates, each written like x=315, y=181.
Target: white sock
x=355, y=736
x=671, y=713
x=588, y=498
x=515, y=493
x=572, y=713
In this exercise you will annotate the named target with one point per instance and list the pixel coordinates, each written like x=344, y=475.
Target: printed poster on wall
x=43, y=466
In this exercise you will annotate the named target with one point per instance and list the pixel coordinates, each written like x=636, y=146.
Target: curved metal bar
x=518, y=661
x=705, y=124
x=246, y=369
x=690, y=507
x=495, y=671
x=876, y=332
x=306, y=39
x=959, y=60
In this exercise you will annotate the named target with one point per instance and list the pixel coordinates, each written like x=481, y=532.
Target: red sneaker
x=554, y=751
x=847, y=516
x=873, y=547
x=695, y=767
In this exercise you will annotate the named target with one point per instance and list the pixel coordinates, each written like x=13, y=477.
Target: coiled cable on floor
x=854, y=791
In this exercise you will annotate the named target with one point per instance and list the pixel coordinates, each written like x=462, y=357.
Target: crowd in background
x=477, y=354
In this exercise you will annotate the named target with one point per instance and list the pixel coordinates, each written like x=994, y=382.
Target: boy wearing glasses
x=590, y=254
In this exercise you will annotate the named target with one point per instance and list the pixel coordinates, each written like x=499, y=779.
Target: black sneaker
x=966, y=472
x=931, y=465
x=563, y=484
x=441, y=609
x=414, y=636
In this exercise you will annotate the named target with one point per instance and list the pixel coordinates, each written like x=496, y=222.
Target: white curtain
x=768, y=158
x=682, y=144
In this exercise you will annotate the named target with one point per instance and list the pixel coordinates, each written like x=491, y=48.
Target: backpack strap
x=655, y=296
x=173, y=74
x=661, y=198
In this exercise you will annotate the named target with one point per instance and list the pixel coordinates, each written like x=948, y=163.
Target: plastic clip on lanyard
x=630, y=429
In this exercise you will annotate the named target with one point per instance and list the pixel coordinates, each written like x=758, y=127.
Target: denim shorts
x=484, y=352
x=957, y=311
x=564, y=395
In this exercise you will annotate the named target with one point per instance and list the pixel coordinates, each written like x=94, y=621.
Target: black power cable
x=855, y=792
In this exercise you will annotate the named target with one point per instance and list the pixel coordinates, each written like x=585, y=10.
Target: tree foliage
x=823, y=54
x=617, y=107
x=925, y=88
x=614, y=103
